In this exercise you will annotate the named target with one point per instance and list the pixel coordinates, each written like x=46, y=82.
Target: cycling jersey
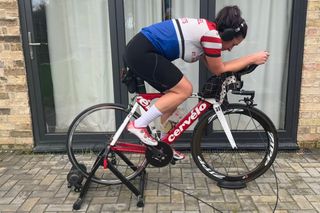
x=185, y=38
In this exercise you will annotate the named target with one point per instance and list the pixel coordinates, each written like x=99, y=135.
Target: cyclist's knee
x=186, y=90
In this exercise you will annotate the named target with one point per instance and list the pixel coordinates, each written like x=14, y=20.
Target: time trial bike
x=231, y=142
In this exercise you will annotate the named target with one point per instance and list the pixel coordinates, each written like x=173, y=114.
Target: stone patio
x=37, y=183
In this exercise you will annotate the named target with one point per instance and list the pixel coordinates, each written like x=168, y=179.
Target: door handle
x=32, y=44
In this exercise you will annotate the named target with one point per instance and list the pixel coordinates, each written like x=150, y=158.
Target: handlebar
x=218, y=86
x=238, y=85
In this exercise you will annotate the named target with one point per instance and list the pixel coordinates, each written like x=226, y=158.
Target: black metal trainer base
x=99, y=161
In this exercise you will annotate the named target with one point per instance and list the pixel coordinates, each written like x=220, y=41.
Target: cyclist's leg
x=171, y=100
x=174, y=96
x=166, y=115
x=165, y=124
x=140, y=58
x=160, y=73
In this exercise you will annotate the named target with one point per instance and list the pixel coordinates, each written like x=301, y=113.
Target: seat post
x=141, y=88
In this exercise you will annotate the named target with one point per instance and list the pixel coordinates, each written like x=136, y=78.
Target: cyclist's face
x=228, y=45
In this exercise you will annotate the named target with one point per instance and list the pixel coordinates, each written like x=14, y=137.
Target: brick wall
x=309, y=120
x=15, y=120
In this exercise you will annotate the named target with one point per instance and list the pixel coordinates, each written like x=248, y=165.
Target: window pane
x=77, y=58
x=140, y=13
x=268, y=29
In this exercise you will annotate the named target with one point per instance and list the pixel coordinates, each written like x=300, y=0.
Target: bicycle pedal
x=173, y=161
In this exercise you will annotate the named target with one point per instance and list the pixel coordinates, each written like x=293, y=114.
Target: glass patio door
x=72, y=63
x=71, y=60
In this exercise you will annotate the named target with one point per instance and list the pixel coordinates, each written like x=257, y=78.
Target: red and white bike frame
x=144, y=101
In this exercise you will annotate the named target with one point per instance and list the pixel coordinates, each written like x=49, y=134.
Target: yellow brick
x=16, y=80
x=309, y=90
x=6, y=140
x=18, y=118
x=309, y=137
x=6, y=126
x=310, y=107
x=4, y=103
x=4, y=133
x=310, y=122
x=28, y=140
x=313, y=6
x=21, y=110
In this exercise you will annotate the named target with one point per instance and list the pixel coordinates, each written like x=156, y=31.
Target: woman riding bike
x=150, y=53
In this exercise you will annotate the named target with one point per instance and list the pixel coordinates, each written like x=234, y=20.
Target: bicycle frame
x=144, y=101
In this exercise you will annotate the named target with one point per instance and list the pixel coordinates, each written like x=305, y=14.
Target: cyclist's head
x=230, y=24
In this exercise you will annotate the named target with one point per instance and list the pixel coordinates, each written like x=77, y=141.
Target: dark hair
x=230, y=17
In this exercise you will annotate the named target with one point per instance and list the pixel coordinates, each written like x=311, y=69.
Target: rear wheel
x=255, y=137
x=89, y=135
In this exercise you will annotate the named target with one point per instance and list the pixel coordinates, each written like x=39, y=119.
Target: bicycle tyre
x=255, y=136
x=83, y=145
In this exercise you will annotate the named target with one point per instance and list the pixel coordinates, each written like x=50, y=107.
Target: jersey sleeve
x=211, y=43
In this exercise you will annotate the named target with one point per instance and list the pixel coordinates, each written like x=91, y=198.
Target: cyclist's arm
x=217, y=66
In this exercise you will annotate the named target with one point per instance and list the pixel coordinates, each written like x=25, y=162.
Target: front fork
x=224, y=124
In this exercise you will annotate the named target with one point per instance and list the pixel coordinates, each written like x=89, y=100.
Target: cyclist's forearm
x=239, y=63
x=217, y=66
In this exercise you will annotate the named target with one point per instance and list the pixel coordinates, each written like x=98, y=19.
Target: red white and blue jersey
x=185, y=38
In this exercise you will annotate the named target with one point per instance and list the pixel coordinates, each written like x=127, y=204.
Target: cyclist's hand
x=260, y=57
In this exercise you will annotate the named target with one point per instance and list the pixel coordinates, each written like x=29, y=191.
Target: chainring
x=160, y=155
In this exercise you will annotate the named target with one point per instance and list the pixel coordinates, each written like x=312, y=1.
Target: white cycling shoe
x=177, y=155
x=142, y=133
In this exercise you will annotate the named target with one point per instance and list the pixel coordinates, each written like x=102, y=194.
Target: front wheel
x=255, y=137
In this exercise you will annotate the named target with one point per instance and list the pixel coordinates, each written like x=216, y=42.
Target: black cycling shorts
x=144, y=60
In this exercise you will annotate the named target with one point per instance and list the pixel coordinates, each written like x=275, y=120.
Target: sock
x=148, y=117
